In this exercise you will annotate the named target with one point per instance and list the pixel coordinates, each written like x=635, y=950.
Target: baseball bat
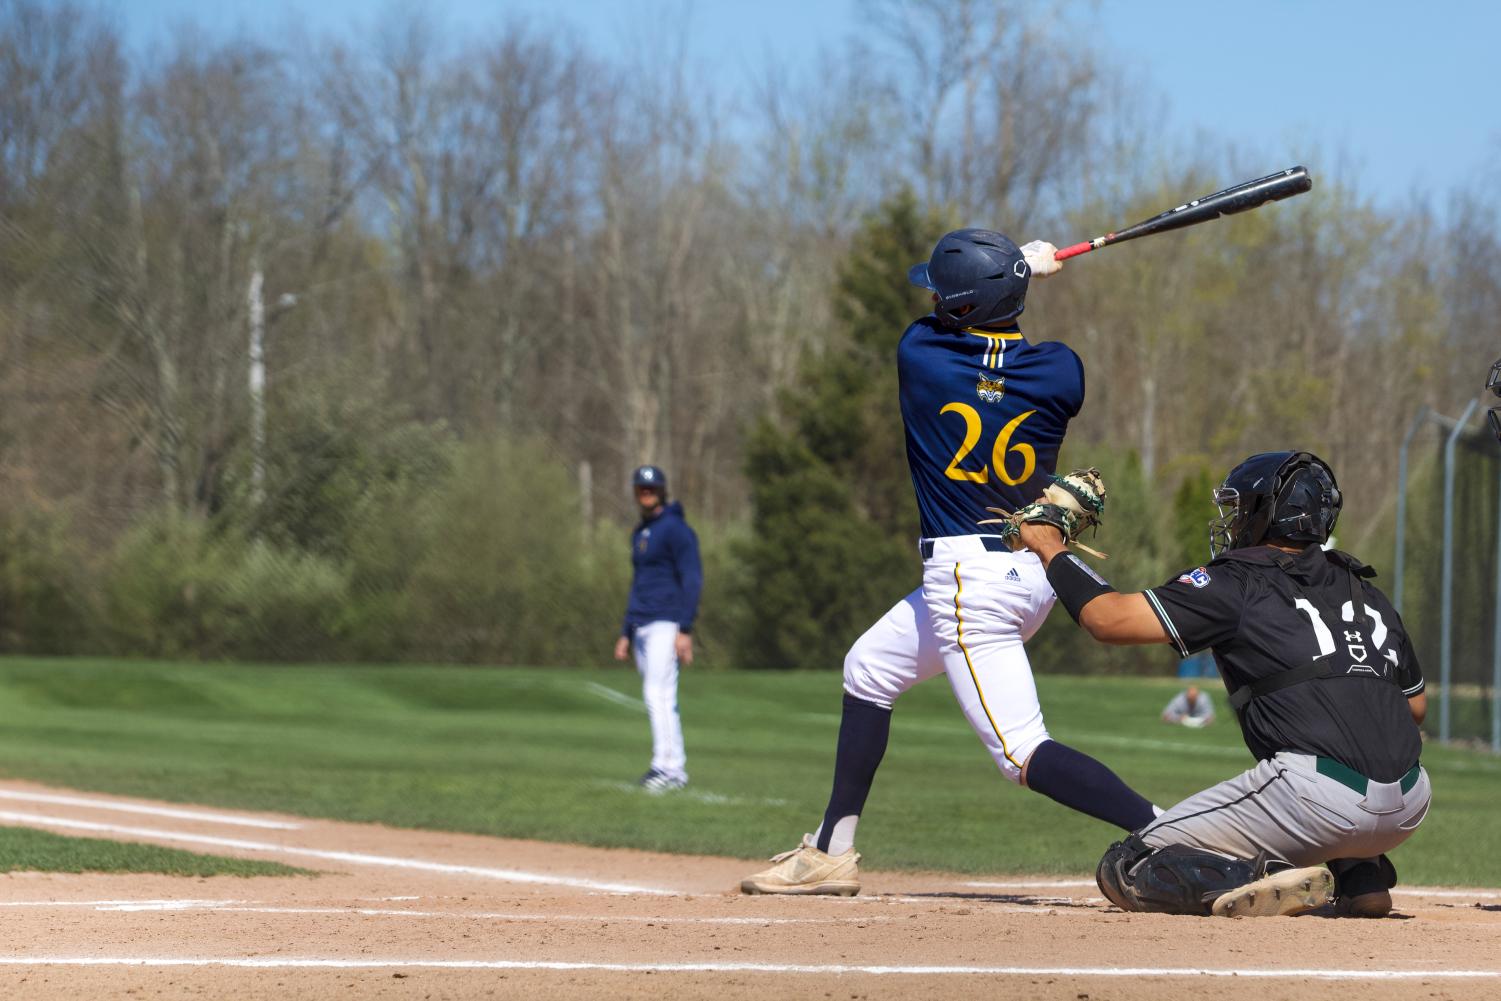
x=1240, y=198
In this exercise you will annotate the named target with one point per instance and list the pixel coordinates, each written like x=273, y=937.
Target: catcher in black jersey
x=1326, y=689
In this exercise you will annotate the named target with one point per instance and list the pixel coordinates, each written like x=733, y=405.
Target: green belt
x=1345, y=775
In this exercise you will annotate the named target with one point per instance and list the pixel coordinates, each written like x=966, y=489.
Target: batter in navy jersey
x=985, y=412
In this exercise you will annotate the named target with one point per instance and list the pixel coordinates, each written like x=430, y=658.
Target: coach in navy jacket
x=667, y=578
x=659, y=617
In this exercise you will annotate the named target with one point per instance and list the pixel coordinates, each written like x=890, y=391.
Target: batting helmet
x=650, y=476
x=1275, y=495
x=980, y=277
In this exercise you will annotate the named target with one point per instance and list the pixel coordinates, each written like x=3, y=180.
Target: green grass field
x=553, y=754
x=22, y=849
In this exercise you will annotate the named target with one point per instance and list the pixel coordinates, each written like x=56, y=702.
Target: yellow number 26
x=998, y=453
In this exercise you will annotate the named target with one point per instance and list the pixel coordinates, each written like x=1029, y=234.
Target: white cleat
x=1291, y=891
x=806, y=870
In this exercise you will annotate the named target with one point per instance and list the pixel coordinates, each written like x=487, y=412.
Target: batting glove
x=1039, y=255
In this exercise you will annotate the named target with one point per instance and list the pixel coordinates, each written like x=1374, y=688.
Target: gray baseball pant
x=1300, y=808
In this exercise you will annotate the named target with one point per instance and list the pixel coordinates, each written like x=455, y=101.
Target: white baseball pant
x=969, y=619
x=657, y=662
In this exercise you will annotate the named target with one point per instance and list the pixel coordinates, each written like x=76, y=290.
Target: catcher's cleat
x=1363, y=888
x=1285, y=893
x=1376, y=904
x=805, y=870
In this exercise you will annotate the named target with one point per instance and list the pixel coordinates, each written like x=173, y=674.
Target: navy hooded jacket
x=667, y=577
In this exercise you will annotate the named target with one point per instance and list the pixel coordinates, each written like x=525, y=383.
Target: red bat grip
x=1074, y=251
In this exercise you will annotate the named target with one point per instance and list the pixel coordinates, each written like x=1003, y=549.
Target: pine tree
x=834, y=519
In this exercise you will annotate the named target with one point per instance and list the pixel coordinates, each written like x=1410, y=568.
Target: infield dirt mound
x=423, y=914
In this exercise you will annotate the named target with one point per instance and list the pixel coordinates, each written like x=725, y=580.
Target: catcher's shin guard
x=1176, y=879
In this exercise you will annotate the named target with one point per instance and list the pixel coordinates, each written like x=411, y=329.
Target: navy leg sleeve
x=1081, y=783
x=863, y=731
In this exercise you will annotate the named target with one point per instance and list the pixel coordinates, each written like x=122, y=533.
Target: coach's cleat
x=1376, y=904
x=655, y=781
x=805, y=869
x=1285, y=893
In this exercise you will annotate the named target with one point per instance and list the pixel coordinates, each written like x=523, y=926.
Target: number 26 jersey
x=984, y=413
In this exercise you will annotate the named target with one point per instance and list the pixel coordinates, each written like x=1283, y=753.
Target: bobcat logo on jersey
x=991, y=390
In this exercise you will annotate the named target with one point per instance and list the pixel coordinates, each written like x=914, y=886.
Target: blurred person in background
x=665, y=585
x=1190, y=707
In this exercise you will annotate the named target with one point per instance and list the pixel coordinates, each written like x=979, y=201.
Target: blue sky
x=1397, y=97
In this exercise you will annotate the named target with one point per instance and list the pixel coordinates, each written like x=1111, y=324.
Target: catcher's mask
x=1494, y=385
x=980, y=276
x=1275, y=495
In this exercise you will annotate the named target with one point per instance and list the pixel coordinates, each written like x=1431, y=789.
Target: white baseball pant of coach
x=657, y=662
x=969, y=619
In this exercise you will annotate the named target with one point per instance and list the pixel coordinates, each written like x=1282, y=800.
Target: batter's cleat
x=1376, y=904
x=806, y=870
x=655, y=781
x=1285, y=893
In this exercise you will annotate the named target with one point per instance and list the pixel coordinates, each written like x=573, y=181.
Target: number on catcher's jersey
x=973, y=428
x=1354, y=639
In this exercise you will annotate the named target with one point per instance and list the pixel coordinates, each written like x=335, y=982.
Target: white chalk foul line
x=1419, y=891
x=105, y=905
x=351, y=858
x=155, y=811
x=254, y=907
x=611, y=695
x=501, y=916
x=270, y=963
x=712, y=798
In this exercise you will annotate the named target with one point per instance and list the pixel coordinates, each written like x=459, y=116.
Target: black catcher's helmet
x=1275, y=495
x=980, y=277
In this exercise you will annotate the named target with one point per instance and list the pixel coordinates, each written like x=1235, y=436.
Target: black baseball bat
x=1240, y=198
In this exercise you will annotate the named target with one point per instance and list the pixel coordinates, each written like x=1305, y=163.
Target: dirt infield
x=425, y=915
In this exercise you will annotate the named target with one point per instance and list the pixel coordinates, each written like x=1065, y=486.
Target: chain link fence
x=1450, y=607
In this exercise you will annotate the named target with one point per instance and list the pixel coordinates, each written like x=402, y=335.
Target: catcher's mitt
x=1070, y=503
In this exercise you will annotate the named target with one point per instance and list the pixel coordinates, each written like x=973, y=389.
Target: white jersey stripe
x=1167, y=622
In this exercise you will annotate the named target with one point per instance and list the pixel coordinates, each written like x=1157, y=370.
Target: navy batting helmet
x=1275, y=495
x=650, y=476
x=980, y=277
